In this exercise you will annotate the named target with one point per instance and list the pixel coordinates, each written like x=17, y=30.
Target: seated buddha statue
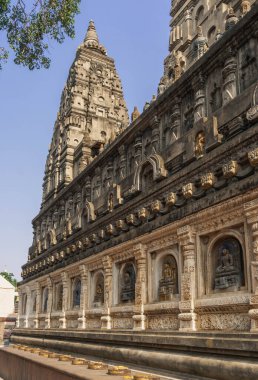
x=227, y=274
x=168, y=281
x=128, y=286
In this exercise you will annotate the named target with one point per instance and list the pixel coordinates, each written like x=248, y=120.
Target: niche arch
x=88, y=213
x=24, y=303
x=33, y=301
x=226, y=266
x=127, y=280
x=76, y=293
x=98, y=289
x=212, y=35
x=59, y=297
x=158, y=166
x=199, y=16
x=44, y=299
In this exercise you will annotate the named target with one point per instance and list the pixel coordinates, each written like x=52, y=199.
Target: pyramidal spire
x=91, y=37
x=91, y=40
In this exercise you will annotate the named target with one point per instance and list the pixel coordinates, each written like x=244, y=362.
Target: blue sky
x=135, y=33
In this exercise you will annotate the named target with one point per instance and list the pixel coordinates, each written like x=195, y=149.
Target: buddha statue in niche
x=128, y=284
x=168, y=281
x=228, y=271
x=59, y=305
x=99, y=292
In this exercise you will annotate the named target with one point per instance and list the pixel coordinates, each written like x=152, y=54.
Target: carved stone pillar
x=251, y=212
x=229, y=79
x=110, y=170
x=27, y=307
x=82, y=320
x=200, y=111
x=49, y=303
x=155, y=135
x=175, y=119
x=122, y=165
x=106, y=320
x=138, y=150
x=140, y=255
x=187, y=316
x=38, y=303
x=188, y=26
x=18, y=323
x=62, y=320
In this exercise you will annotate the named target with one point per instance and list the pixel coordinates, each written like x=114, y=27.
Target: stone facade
x=156, y=228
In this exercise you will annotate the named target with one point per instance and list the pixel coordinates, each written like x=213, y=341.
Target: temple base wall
x=217, y=356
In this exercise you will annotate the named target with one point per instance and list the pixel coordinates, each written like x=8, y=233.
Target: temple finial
x=91, y=38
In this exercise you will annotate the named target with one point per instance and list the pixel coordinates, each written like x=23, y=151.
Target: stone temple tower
x=194, y=27
x=92, y=113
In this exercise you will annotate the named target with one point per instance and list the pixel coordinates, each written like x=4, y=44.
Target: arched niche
x=199, y=16
x=24, y=303
x=147, y=177
x=167, y=278
x=33, y=301
x=211, y=35
x=226, y=264
x=127, y=278
x=44, y=299
x=76, y=293
x=98, y=289
x=88, y=213
x=150, y=170
x=59, y=297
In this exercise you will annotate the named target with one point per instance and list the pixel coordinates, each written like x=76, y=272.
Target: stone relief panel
x=225, y=321
x=72, y=323
x=93, y=323
x=122, y=323
x=161, y=322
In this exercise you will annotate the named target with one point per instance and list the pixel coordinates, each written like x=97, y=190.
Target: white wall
x=7, y=292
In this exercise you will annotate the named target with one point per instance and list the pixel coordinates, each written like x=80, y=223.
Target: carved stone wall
x=160, y=229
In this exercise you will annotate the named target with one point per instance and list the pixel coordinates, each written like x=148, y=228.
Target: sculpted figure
x=128, y=284
x=168, y=272
x=228, y=273
x=111, y=202
x=226, y=262
x=199, y=145
x=168, y=281
x=99, y=292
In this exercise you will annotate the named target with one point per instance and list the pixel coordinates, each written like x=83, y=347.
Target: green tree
x=29, y=28
x=9, y=277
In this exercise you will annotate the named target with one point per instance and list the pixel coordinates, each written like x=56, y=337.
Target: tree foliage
x=9, y=277
x=29, y=28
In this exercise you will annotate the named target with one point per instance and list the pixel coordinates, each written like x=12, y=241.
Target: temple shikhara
x=147, y=235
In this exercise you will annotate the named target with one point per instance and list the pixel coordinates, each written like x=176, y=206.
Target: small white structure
x=7, y=293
